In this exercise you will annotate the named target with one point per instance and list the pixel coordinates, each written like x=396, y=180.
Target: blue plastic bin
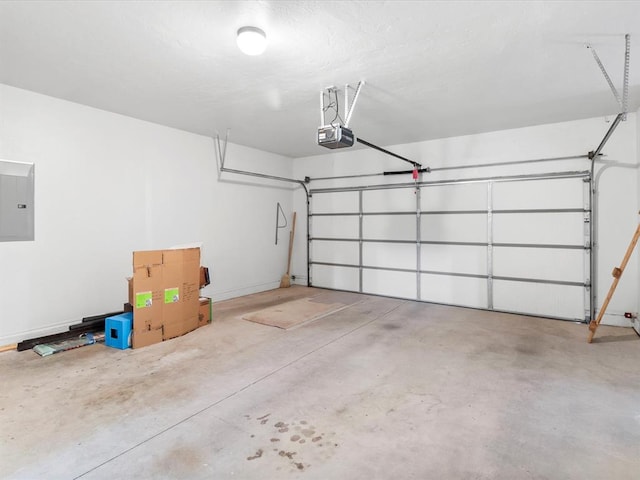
x=117, y=331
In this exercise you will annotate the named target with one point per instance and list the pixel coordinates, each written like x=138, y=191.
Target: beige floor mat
x=290, y=314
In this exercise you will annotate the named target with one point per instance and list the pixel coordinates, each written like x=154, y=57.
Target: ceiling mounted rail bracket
x=329, y=101
x=348, y=109
x=625, y=81
x=623, y=101
x=221, y=153
x=221, y=150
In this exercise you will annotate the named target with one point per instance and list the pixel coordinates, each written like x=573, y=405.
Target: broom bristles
x=285, y=281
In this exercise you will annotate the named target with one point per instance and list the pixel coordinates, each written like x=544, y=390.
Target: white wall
x=618, y=197
x=636, y=321
x=106, y=185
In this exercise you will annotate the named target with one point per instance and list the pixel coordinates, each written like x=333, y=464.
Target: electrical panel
x=16, y=201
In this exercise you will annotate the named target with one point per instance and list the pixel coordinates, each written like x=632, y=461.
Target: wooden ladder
x=617, y=273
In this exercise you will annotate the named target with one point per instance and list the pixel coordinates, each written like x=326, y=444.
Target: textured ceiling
x=432, y=69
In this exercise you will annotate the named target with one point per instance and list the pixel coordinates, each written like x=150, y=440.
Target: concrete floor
x=383, y=389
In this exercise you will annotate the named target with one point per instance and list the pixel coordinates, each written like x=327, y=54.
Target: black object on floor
x=96, y=321
x=93, y=325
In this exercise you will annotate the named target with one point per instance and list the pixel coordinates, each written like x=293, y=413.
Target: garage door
x=516, y=244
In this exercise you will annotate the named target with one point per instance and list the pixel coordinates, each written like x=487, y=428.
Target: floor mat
x=290, y=314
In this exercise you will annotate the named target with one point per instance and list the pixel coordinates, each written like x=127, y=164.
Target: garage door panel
x=539, y=228
x=344, y=202
x=389, y=227
x=538, y=194
x=392, y=284
x=472, y=196
x=396, y=200
x=386, y=225
x=335, y=227
x=335, y=252
x=464, y=291
x=454, y=258
x=390, y=255
x=338, y=278
x=561, y=301
x=454, y=228
x=539, y=263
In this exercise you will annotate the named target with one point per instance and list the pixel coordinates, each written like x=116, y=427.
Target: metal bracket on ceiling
x=348, y=109
x=221, y=153
x=327, y=103
x=222, y=150
x=624, y=101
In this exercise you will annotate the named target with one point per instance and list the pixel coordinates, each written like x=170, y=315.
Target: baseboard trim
x=34, y=333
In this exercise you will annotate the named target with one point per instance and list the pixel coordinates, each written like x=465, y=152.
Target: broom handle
x=291, y=237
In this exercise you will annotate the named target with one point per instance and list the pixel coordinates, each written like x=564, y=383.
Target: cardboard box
x=176, y=329
x=204, y=277
x=205, y=314
x=164, y=294
x=130, y=294
x=181, y=280
x=143, y=338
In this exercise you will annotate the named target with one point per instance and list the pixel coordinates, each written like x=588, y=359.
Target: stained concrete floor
x=383, y=389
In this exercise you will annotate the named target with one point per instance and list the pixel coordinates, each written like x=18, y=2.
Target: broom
x=285, y=281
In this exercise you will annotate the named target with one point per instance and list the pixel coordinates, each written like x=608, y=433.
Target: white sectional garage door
x=515, y=244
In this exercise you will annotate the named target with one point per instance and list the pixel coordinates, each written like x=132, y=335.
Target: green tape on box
x=144, y=299
x=171, y=295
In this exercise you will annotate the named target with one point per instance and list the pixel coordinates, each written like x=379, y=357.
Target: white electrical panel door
x=16, y=201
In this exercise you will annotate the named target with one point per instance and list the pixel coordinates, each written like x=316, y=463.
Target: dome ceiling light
x=251, y=40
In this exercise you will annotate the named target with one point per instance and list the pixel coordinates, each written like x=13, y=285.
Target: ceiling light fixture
x=251, y=40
